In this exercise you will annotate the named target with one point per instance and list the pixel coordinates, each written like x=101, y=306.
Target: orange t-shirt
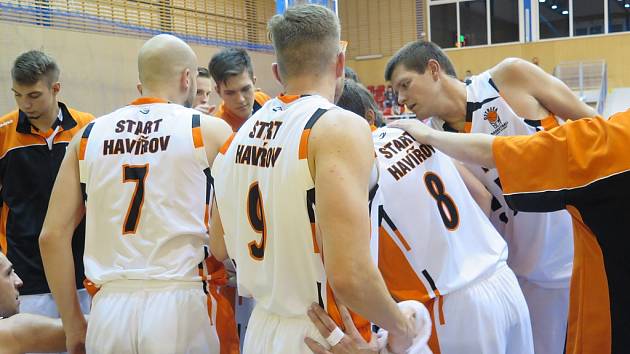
x=233, y=120
x=584, y=167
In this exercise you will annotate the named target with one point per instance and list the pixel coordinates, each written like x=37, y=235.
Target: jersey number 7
x=137, y=174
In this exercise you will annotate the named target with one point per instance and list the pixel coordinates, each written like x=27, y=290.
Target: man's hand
x=352, y=342
x=75, y=337
x=205, y=108
x=418, y=130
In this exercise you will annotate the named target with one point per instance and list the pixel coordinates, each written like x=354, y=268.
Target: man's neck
x=452, y=104
x=161, y=93
x=46, y=121
x=311, y=85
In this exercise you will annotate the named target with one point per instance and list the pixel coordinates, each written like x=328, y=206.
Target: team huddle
x=344, y=237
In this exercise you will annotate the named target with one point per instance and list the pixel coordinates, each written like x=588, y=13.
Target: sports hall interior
x=583, y=42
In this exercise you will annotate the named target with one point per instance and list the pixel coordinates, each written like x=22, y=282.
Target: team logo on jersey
x=492, y=116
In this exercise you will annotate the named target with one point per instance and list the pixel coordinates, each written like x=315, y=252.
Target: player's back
x=433, y=238
x=265, y=195
x=143, y=171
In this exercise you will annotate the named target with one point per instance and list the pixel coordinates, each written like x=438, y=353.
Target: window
x=459, y=23
x=504, y=21
x=444, y=25
x=553, y=17
x=473, y=22
x=618, y=16
x=588, y=17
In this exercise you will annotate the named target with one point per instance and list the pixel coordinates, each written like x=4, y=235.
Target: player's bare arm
x=27, y=333
x=477, y=190
x=341, y=157
x=533, y=93
x=65, y=211
x=215, y=133
x=217, y=241
x=471, y=148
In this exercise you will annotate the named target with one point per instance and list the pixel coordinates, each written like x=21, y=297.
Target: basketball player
x=582, y=167
x=233, y=73
x=296, y=152
x=141, y=169
x=203, y=92
x=436, y=246
x=356, y=98
x=513, y=98
x=17, y=330
x=33, y=141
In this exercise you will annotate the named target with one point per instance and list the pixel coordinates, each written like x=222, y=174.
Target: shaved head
x=167, y=62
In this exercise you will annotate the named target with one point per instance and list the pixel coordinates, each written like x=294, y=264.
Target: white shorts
x=151, y=317
x=45, y=305
x=488, y=317
x=268, y=333
x=549, y=311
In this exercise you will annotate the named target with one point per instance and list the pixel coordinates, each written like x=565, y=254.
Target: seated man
x=16, y=330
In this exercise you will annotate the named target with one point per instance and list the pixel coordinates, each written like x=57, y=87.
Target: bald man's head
x=168, y=64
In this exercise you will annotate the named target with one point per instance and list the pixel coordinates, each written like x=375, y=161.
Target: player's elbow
x=347, y=285
x=48, y=238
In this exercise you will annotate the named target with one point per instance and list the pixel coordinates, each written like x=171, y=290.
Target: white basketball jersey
x=266, y=196
x=541, y=245
x=147, y=193
x=433, y=238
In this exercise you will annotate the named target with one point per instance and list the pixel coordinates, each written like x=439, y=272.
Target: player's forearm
x=35, y=334
x=363, y=290
x=471, y=148
x=59, y=268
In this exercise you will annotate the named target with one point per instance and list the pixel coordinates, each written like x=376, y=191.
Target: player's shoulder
x=511, y=69
x=340, y=120
x=9, y=121
x=261, y=97
x=338, y=127
x=82, y=118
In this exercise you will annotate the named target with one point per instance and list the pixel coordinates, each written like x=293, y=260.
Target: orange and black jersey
x=236, y=122
x=28, y=168
x=583, y=166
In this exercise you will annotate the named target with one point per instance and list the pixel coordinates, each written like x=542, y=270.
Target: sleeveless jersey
x=146, y=180
x=541, y=245
x=266, y=198
x=433, y=238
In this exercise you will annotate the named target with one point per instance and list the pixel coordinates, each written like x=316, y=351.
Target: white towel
x=422, y=324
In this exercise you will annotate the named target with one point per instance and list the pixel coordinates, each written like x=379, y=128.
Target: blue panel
x=527, y=5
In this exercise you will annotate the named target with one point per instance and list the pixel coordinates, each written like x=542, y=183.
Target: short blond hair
x=306, y=39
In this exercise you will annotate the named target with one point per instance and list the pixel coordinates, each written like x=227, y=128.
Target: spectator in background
x=468, y=76
x=535, y=61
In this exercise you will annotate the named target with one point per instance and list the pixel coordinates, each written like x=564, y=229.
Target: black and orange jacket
x=583, y=166
x=28, y=168
x=236, y=122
